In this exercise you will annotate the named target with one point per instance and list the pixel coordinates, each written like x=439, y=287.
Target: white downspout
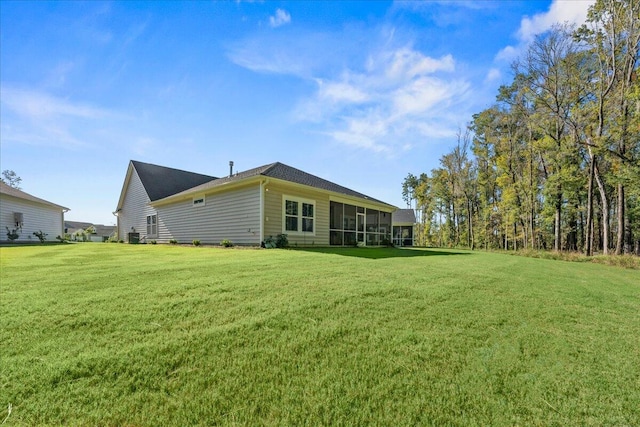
x=262, y=184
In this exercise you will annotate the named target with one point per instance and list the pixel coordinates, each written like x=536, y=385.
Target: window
x=299, y=215
x=198, y=201
x=152, y=225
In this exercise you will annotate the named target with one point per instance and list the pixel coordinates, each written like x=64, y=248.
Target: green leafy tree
x=10, y=178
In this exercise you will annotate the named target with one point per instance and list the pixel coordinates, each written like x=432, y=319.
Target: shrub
x=173, y=241
x=280, y=241
x=196, y=242
x=40, y=235
x=153, y=242
x=226, y=243
x=12, y=234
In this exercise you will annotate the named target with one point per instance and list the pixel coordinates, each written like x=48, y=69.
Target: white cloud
x=38, y=118
x=340, y=92
x=493, y=75
x=282, y=17
x=399, y=99
x=379, y=94
x=560, y=11
x=37, y=105
x=408, y=63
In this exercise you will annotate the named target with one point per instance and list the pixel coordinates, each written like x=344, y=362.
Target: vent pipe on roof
x=231, y=168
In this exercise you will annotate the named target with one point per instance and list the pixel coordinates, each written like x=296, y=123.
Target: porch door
x=360, y=228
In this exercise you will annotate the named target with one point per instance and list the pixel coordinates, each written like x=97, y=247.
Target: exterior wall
x=233, y=215
x=274, y=215
x=135, y=209
x=36, y=217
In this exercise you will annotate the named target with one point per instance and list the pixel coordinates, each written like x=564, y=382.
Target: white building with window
x=166, y=204
x=26, y=214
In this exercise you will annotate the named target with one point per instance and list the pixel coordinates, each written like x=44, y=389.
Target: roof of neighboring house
x=284, y=172
x=10, y=191
x=405, y=216
x=76, y=225
x=161, y=182
x=104, y=230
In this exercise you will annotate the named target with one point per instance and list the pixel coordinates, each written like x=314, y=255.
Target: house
x=28, y=214
x=163, y=204
x=96, y=232
x=404, y=221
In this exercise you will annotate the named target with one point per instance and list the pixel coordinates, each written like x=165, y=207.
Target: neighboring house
x=102, y=232
x=97, y=232
x=159, y=203
x=27, y=214
x=404, y=221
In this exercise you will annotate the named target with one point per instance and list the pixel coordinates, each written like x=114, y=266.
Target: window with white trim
x=299, y=215
x=152, y=225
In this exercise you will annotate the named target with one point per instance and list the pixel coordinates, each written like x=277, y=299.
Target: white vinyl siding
x=233, y=215
x=36, y=217
x=135, y=209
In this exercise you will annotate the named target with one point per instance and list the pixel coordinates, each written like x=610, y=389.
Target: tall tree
x=612, y=32
x=10, y=178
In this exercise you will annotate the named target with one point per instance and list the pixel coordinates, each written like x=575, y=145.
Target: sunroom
x=352, y=225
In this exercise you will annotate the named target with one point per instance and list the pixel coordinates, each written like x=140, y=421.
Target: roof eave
x=188, y=194
x=336, y=194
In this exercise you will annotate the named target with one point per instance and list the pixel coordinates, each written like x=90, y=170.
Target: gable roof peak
x=161, y=181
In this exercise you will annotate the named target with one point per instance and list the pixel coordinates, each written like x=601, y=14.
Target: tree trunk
x=605, y=212
x=621, y=217
x=557, y=242
x=589, y=226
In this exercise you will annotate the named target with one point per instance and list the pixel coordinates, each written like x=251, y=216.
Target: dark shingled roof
x=7, y=189
x=161, y=182
x=404, y=216
x=287, y=173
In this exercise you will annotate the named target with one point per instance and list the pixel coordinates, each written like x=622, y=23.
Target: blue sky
x=360, y=93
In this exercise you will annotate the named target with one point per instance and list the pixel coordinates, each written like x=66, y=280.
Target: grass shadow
x=382, y=253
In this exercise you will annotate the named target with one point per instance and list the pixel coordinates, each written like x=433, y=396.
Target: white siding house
x=27, y=214
x=164, y=204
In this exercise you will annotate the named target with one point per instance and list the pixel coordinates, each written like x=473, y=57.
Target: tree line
x=555, y=162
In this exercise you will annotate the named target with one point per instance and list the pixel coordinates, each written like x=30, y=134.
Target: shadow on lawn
x=381, y=253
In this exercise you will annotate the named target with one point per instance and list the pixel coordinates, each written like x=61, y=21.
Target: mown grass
x=98, y=334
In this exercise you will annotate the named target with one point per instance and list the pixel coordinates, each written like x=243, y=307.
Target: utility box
x=18, y=219
x=134, y=237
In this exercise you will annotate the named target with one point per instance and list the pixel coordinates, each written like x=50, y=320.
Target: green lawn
x=154, y=335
